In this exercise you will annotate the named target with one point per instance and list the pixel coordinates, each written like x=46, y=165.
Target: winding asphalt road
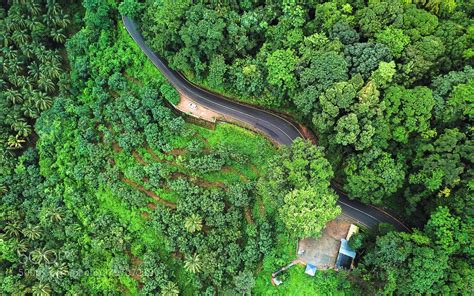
x=277, y=128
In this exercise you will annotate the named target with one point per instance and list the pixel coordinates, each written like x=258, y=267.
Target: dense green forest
x=105, y=189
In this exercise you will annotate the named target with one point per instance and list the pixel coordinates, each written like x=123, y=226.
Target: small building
x=346, y=255
x=276, y=281
x=352, y=230
x=310, y=269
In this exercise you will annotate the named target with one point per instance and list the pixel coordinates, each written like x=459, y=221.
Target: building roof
x=346, y=255
x=345, y=249
x=352, y=230
x=343, y=261
x=310, y=269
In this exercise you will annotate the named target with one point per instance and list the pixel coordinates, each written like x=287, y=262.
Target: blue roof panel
x=310, y=269
x=346, y=250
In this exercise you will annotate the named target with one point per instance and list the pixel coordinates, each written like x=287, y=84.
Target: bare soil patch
x=248, y=216
x=322, y=252
x=116, y=147
x=138, y=158
x=177, y=152
x=149, y=193
x=189, y=107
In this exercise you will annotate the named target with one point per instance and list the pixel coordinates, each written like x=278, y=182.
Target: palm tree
x=13, y=96
x=12, y=68
x=193, y=223
x=19, y=80
x=12, y=229
x=34, y=70
x=58, y=270
x=51, y=69
x=53, y=57
x=63, y=21
x=30, y=111
x=41, y=53
x=15, y=142
x=28, y=50
x=55, y=214
x=171, y=289
x=193, y=263
x=22, y=128
x=42, y=255
x=43, y=102
x=35, y=25
x=41, y=289
x=54, y=9
x=20, y=37
x=32, y=232
x=3, y=189
x=33, y=8
x=58, y=35
x=18, y=19
x=46, y=84
x=10, y=53
x=21, y=247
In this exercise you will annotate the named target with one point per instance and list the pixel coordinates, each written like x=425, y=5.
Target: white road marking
x=212, y=102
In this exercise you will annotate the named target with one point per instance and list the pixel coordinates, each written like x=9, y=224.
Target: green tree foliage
x=344, y=32
x=373, y=175
x=298, y=184
x=281, y=65
x=130, y=8
x=439, y=166
x=438, y=7
x=409, y=111
x=217, y=71
x=86, y=141
x=323, y=70
x=364, y=58
x=448, y=111
x=32, y=66
x=421, y=58
x=427, y=262
x=394, y=39
x=407, y=263
x=383, y=75
x=306, y=211
x=244, y=282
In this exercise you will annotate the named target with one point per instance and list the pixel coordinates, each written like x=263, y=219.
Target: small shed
x=346, y=255
x=352, y=230
x=276, y=281
x=310, y=269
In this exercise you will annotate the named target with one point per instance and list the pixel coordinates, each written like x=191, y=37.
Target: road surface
x=277, y=128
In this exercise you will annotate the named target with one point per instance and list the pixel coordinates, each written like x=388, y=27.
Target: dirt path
x=149, y=193
x=248, y=216
x=189, y=107
x=116, y=147
x=138, y=158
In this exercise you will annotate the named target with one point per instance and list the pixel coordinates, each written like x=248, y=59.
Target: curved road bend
x=274, y=126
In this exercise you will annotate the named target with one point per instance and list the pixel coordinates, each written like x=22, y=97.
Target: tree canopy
x=106, y=189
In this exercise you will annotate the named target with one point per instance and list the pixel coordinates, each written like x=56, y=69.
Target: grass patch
x=258, y=150
x=149, y=236
x=297, y=283
x=141, y=68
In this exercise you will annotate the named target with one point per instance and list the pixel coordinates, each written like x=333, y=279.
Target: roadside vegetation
x=387, y=89
x=120, y=194
x=105, y=189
